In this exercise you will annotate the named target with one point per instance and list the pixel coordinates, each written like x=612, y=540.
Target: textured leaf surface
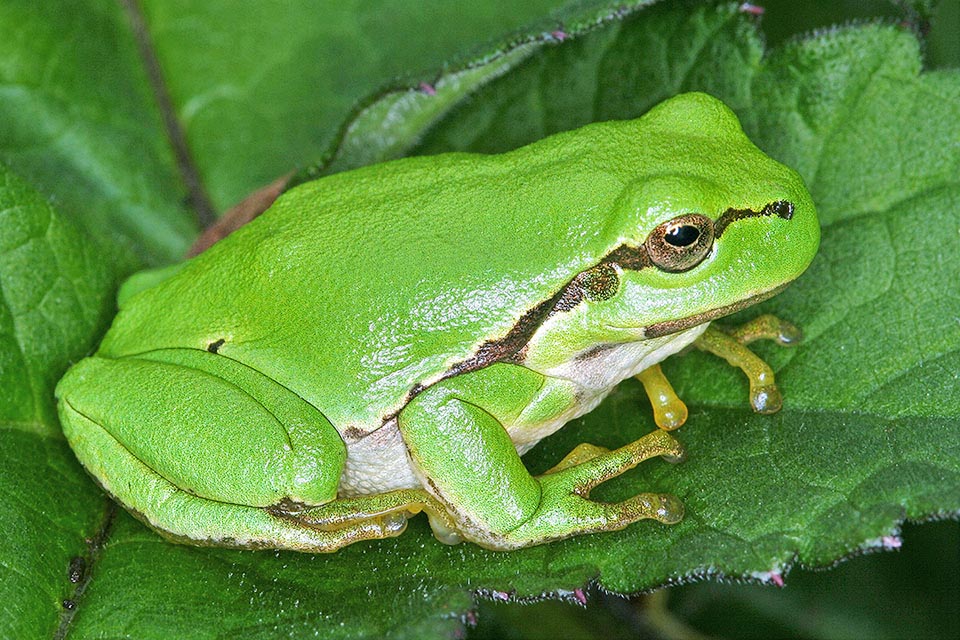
x=268, y=84
x=78, y=118
x=867, y=436
x=55, y=298
x=911, y=593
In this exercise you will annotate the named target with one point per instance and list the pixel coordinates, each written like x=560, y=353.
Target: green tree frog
x=392, y=339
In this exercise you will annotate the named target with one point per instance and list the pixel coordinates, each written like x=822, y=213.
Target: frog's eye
x=600, y=282
x=680, y=244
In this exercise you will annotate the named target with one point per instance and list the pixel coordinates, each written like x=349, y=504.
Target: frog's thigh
x=183, y=517
x=199, y=457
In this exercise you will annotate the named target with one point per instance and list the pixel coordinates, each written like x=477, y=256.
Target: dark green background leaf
x=868, y=434
x=267, y=85
x=78, y=119
x=57, y=296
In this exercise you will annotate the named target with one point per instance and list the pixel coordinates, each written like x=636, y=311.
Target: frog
x=390, y=340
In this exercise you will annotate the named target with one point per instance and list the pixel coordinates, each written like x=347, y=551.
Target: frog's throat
x=659, y=329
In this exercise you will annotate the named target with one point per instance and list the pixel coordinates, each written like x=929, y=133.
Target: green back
x=355, y=288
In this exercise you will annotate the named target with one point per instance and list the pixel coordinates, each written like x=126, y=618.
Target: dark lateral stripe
x=510, y=348
x=632, y=258
x=505, y=349
x=509, y=345
x=781, y=208
x=673, y=326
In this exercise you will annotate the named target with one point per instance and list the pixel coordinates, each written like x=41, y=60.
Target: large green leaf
x=55, y=299
x=889, y=596
x=867, y=436
x=263, y=87
x=883, y=596
x=78, y=118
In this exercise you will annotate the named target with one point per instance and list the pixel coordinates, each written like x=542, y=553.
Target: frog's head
x=719, y=227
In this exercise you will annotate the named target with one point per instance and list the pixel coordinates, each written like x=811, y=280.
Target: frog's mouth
x=659, y=329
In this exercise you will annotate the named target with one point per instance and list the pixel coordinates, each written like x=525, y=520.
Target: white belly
x=380, y=462
x=617, y=362
x=377, y=463
x=592, y=378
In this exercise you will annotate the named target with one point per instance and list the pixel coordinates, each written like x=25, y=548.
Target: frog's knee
x=210, y=436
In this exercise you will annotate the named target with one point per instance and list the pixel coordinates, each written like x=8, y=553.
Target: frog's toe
x=663, y=507
x=675, y=456
x=770, y=327
x=583, y=452
x=603, y=467
x=767, y=327
x=393, y=524
x=670, y=509
x=766, y=399
x=444, y=531
x=788, y=334
x=669, y=411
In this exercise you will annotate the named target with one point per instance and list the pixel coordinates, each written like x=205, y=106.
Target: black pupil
x=682, y=236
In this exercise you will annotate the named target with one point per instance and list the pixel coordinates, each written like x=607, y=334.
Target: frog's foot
x=337, y=531
x=375, y=516
x=314, y=529
x=669, y=411
x=765, y=397
x=565, y=506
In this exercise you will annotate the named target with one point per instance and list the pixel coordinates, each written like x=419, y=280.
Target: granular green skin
x=385, y=341
x=354, y=289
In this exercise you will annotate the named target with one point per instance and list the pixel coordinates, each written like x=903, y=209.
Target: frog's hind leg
x=214, y=452
x=183, y=517
x=456, y=434
x=390, y=510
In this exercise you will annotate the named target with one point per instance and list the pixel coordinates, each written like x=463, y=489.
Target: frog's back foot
x=186, y=521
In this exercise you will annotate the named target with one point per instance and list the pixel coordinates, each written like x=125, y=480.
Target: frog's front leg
x=214, y=452
x=456, y=432
x=670, y=412
x=730, y=344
